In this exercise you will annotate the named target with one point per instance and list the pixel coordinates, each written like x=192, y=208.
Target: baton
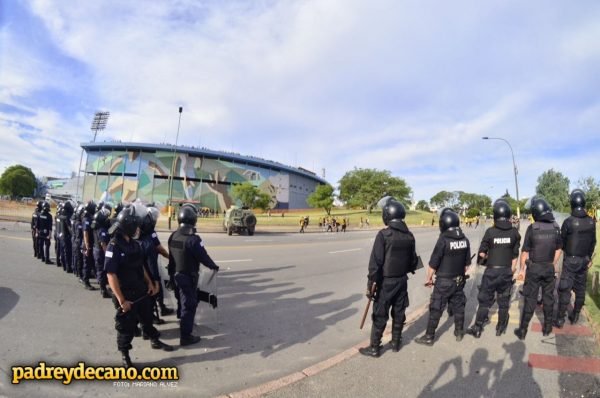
x=134, y=302
x=364, y=317
x=467, y=276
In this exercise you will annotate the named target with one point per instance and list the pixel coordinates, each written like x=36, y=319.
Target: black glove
x=216, y=269
x=370, y=293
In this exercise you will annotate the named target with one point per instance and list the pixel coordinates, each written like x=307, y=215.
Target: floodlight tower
x=98, y=124
x=170, y=207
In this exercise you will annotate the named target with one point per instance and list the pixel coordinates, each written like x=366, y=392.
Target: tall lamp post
x=515, y=170
x=173, y=168
x=98, y=124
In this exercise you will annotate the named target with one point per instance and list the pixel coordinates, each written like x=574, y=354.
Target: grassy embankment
x=593, y=301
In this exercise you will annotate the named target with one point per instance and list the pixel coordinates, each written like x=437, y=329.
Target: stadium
x=122, y=172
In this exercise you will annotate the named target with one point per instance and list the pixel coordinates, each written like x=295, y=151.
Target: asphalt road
x=286, y=301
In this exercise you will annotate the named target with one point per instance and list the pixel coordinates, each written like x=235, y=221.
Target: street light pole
x=514, y=167
x=173, y=168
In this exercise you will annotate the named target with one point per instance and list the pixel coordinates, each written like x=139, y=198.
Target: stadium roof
x=209, y=153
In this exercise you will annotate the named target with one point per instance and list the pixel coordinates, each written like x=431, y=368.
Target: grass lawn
x=593, y=302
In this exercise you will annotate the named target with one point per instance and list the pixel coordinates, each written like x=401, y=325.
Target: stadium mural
x=125, y=172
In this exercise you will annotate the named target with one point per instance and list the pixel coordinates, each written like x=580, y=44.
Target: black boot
x=87, y=286
x=475, y=330
x=502, y=325
x=547, y=330
x=574, y=317
x=105, y=293
x=559, y=322
x=459, y=334
x=521, y=332
x=158, y=345
x=370, y=351
x=426, y=339
x=125, y=359
x=164, y=310
x=189, y=340
x=396, y=341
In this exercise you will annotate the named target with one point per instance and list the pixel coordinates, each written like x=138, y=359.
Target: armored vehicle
x=237, y=220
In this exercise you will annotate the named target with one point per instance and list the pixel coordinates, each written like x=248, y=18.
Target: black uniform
x=501, y=244
x=57, y=243
x=77, y=229
x=578, y=234
x=100, y=237
x=450, y=257
x=392, y=258
x=34, y=218
x=66, y=245
x=186, y=252
x=542, y=240
x=44, y=230
x=126, y=260
x=89, y=264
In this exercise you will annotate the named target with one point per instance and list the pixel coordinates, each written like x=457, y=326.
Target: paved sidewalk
x=564, y=364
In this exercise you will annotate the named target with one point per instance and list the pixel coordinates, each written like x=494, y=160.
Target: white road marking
x=344, y=251
x=234, y=261
x=258, y=240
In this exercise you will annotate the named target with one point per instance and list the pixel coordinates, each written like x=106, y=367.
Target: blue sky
x=406, y=86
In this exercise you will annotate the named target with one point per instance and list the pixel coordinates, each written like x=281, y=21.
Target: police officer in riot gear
x=499, y=252
x=131, y=285
x=89, y=265
x=393, y=256
x=578, y=233
x=153, y=247
x=77, y=228
x=449, y=262
x=44, y=230
x=34, y=219
x=539, y=257
x=65, y=236
x=186, y=252
x=57, y=232
x=100, y=226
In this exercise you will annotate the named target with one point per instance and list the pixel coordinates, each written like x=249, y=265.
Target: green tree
x=364, y=188
x=554, y=187
x=17, y=180
x=445, y=199
x=591, y=187
x=423, y=205
x=250, y=196
x=321, y=198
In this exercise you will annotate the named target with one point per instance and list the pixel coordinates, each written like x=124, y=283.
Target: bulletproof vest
x=543, y=242
x=399, y=251
x=64, y=224
x=34, y=218
x=44, y=224
x=581, y=236
x=454, y=259
x=184, y=261
x=131, y=266
x=58, y=227
x=77, y=231
x=502, y=243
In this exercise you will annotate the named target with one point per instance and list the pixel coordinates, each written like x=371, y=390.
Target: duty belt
x=498, y=266
x=458, y=279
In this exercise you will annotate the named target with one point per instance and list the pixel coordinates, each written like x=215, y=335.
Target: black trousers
x=57, y=249
x=67, y=253
x=35, y=243
x=44, y=247
x=447, y=291
x=392, y=295
x=496, y=284
x=126, y=322
x=573, y=278
x=538, y=275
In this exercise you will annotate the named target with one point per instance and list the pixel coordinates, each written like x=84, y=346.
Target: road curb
x=317, y=368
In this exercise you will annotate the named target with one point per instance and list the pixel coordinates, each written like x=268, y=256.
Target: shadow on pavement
x=258, y=314
x=8, y=301
x=485, y=377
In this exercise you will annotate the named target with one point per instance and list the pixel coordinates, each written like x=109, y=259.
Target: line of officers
x=121, y=250
x=394, y=256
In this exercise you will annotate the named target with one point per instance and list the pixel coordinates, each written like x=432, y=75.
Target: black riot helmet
x=46, y=207
x=90, y=208
x=68, y=209
x=539, y=208
x=501, y=210
x=79, y=212
x=108, y=206
x=448, y=219
x=577, y=199
x=101, y=219
x=187, y=215
x=118, y=208
x=393, y=211
x=39, y=205
x=127, y=222
x=149, y=222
